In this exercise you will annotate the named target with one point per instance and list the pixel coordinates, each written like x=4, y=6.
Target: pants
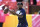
x=1, y=24
x=22, y=25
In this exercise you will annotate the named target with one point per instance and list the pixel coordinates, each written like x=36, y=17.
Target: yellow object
x=29, y=20
x=12, y=21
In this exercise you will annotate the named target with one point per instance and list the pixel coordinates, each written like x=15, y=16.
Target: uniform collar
x=20, y=8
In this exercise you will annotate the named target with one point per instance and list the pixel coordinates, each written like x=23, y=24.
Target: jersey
x=23, y=20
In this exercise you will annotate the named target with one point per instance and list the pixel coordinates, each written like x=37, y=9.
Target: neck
x=20, y=8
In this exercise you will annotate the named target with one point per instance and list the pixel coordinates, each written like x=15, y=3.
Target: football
x=6, y=9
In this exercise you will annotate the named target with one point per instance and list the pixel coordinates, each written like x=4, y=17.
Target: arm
x=21, y=16
x=14, y=13
x=17, y=13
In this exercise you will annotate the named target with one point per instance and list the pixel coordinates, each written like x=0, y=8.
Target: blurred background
x=32, y=8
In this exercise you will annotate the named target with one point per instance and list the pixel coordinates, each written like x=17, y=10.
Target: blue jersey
x=23, y=20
